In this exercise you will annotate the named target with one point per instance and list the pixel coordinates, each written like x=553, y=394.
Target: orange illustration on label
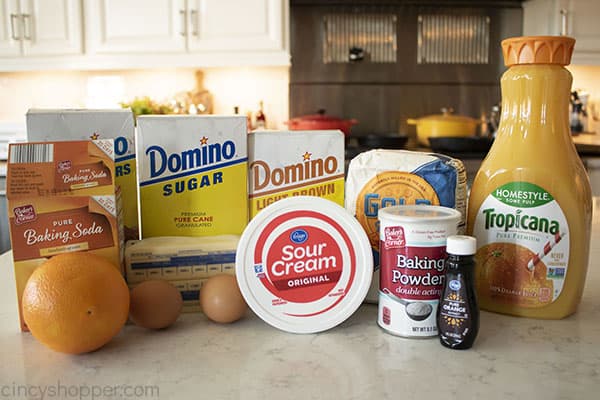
x=505, y=276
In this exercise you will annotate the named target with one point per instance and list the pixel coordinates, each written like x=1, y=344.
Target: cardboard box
x=192, y=175
x=81, y=124
x=62, y=197
x=186, y=262
x=294, y=163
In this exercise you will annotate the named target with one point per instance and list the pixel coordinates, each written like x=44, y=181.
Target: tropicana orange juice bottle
x=530, y=205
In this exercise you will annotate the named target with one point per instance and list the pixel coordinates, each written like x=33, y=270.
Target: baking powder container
x=412, y=249
x=304, y=264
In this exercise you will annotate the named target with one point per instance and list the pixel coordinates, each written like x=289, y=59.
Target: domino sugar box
x=192, y=175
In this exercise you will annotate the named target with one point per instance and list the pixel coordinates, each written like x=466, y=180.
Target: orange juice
x=530, y=204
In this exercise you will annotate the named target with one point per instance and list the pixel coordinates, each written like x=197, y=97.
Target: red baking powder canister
x=304, y=264
x=412, y=251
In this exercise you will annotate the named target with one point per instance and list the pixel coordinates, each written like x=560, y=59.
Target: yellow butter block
x=179, y=258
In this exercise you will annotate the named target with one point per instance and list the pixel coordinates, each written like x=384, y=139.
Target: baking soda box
x=192, y=175
x=294, y=163
x=62, y=198
x=117, y=124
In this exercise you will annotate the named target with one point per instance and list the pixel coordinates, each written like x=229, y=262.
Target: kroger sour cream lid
x=304, y=264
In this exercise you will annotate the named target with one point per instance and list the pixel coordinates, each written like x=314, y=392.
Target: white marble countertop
x=513, y=358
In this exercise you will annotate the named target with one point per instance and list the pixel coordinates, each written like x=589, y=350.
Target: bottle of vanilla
x=530, y=204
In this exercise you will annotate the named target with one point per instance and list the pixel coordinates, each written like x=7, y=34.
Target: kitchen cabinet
x=9, y=41
x=131, y=26
x=576, y=18
x=32, y=28
x=185, y=26
x=217, y=25
x=121, y=34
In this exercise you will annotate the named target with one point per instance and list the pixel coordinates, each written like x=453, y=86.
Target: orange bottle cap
x=538, y=50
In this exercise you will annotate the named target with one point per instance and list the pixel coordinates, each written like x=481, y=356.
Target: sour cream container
x=304, y=264
x=412, y=249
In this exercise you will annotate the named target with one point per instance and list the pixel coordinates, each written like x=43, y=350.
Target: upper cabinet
x=119, y=34
x=31, y=28
x=218, y=25
x=172, y=26
x=576, y=18
x=133, y=26
x=10, y=44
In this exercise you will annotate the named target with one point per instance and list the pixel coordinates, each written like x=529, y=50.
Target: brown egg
x=221, y=299
x=155, y=304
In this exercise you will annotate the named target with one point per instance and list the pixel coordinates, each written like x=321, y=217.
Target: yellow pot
x=443, y=125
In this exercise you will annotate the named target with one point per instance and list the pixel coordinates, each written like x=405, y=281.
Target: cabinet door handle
x=194, y=22
x=564, y=22
x=14, y=21
x=26, y=26
x=182, y=15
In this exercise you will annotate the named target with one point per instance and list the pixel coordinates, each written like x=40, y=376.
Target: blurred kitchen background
x=376, y=61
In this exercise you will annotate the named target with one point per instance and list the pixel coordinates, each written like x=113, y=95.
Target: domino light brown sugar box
x=62, y=198
x=86, y=124
x=286, y=164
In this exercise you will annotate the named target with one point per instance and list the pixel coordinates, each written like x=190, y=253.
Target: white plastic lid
x=419, y=213
x=461, y=245
x=304, y=264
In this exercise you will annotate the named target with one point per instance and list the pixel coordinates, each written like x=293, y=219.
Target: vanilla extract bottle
x=458, y=311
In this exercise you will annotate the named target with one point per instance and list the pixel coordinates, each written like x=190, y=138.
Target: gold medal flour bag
x=384, y=178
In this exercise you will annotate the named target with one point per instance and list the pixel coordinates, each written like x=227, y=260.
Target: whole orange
x=75, y=302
